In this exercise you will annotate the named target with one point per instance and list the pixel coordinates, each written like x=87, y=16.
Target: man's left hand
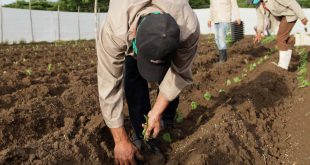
x=153, y=126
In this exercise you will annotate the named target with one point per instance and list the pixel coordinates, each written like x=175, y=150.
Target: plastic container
x=237, y=31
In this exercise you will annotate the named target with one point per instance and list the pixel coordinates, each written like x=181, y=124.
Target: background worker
x=221, y=12
x=144, y=41
x=282, y=14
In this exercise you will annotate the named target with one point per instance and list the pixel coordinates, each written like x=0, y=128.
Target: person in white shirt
x=221, y=12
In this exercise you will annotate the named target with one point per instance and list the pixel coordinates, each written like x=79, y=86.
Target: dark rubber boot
x=223, y=56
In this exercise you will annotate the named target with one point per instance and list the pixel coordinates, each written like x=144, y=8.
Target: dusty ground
x=52, y=114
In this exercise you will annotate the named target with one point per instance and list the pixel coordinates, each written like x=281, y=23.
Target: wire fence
x=20, y=25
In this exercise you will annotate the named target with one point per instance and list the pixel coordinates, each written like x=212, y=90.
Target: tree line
x=88, y=5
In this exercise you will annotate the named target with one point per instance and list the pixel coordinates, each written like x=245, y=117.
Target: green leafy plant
x=221, y=91
x=207, y=96
x=178, y=117
x=302, y=69
x=167, y=137
x=145, y=138
x=49, y=67
x=260, y=61
x=59, y=64
x=268, y=39
x=237, y=80
x=194, y=105
x=228, y=82
x=28, y=72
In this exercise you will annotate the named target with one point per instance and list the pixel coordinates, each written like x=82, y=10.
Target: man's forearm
x=161, y=104
x=119, y=134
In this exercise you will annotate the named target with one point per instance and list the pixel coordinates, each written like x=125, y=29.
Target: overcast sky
x=10, y=1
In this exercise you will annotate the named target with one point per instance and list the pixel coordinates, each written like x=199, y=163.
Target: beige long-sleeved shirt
x=222, y=10
x=114, y=42
x=277, y=8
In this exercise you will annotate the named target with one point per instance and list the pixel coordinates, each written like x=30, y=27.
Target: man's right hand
x=258, y=38
x=304, y=21
x=209, y=24
x=125, y=153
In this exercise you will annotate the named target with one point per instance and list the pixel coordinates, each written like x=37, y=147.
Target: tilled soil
x=50, y=111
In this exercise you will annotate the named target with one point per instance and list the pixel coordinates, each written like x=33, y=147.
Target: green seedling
x=252, y=66
x=228, y=82
x=59, y=64
x=245, y=70
x=207, y=96
x=194, y=105
x=167, y=138
x=237, y=80
x=49, y=67
x=145, y=128
x=221, y=91
x=266, y=57
x=260, y=61
x=302, y=69
x=28, y=72
x=268, y=39
x=178, y=117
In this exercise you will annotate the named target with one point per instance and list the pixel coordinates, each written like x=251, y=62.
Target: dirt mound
x=50, y=112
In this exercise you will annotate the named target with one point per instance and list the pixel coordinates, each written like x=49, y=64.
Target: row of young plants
x=302, y=71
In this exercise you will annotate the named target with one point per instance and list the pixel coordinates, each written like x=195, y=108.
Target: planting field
x=246, y=111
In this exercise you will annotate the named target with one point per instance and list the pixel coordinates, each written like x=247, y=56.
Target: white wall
x=16, y=24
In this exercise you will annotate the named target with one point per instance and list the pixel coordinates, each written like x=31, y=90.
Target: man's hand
x=238, y=21
x=124, y=151
x=153, y=124
x=154, y=116
x=258, y=38
x=209, y=24
x=304, y=21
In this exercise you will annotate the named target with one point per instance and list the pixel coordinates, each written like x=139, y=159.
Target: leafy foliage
x=88, y=5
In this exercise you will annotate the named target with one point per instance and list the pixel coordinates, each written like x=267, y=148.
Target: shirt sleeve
x=111, y=57
x=179, y=74
x=260, y=19
x=211, y=17
x=235, y=9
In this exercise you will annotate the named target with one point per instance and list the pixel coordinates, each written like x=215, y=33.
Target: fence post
x=31, y=26
x=1, y=17
x=58, y=20
x=79, y=28
x=96, y=20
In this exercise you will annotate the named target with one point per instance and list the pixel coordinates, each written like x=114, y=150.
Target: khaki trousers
x=284, y=40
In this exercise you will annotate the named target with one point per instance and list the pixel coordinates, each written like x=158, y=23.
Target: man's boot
x=302, y=40
x=222, y=56
x=284, y=59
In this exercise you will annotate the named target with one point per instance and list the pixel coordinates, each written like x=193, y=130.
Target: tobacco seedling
x=268, y=39
x=237, y=79
x=167, y=138
x=178, y=117
x=221, y=91
x=228, y=82
x=194, y=105
x=49, y=67
x=145, y=128
x=207, y=96
x=28, y=72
